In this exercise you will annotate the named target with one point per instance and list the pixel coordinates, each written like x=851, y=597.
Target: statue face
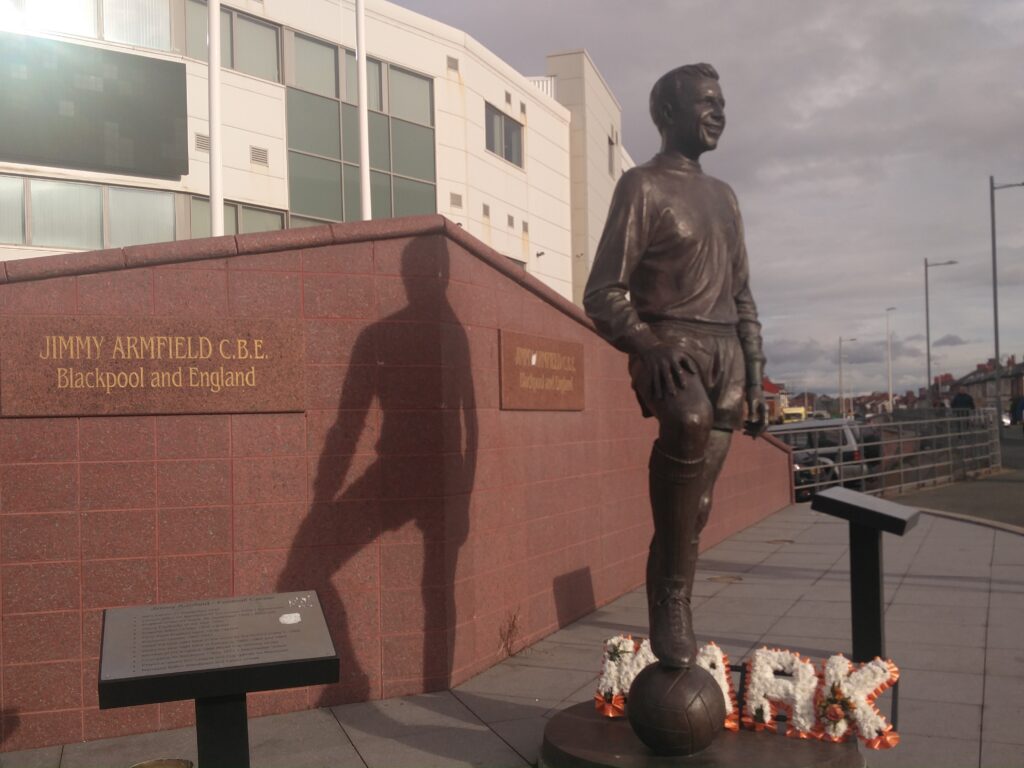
x=696, y=120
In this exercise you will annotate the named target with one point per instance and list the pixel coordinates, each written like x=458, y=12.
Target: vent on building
x=508, y=98
x=522, y=107
x=487, y=211
x=526, y=227
x=511, y=221
x=258, y=155
x=456, y=200
x=202, y=142
x=453, y=64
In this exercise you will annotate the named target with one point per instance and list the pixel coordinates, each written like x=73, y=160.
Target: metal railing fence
x=893, y=454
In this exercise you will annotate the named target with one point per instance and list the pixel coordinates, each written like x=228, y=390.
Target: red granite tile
x=351, y=258
x=269, y=480
x=40, y=297
x=367, y=689
x=344, y=296
x=38, y=487
x=264, y=294
x=341, y=432
x=413, y=257
x=403, y=655
x=355, y=613
x=191, y=293
x=409, y=344
x=273, y=526
x=109, y=438
x=429, y=563
x=331, y=570
x=23, y=440
x=108, y=723
x=350, y=477
x=198, y=483
x=332, y=342
x=42, y=637
x=259, y=573
x=413, y=476
x=418, y=609
x=267, y=703
x=416, y=300
x=409, y=388
x=194, y=577
x=90, y=683
x=27, y=538
x=326, y=385
x=192, y=437
x=268, y=434
x=421, y=432
x=194, y=530
x=92, y=632
x=121, y=533
x=474, y=304
x=41, y=687
x=412, y=520
x=177, y=714
x=118, y=485
x=275, y=261
x=27, y=731
x=112, y=583
x=40, y=587
x=121, y=292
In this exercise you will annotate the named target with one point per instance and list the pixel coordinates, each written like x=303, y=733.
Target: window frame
x=500, y=135
x=233, y=14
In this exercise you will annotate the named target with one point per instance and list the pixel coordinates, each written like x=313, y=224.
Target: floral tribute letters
x=834, y=703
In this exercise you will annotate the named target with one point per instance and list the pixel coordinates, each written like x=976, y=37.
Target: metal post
x=222, y=732
x=842, y=403
x=927, y=335
x=364, y=113
x=866, y=592
x=213, y=84
x=995, y=297
x=888, y=354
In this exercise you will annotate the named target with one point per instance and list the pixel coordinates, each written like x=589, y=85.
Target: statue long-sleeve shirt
x=672, y=250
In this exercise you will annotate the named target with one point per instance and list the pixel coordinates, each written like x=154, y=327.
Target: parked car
x=812, y=474
x=833, y=439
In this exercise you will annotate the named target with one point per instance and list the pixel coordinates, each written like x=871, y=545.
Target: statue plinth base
x=580, y=737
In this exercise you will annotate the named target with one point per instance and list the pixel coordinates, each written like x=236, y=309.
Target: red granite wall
x=440, y=531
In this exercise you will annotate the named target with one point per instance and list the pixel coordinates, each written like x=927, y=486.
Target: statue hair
x=668, y=86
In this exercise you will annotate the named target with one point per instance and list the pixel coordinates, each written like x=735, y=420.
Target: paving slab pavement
x=955, y=627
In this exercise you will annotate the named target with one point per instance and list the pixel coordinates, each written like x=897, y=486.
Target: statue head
x=689, y=110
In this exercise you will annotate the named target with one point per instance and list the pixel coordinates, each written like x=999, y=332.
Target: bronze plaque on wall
x=539, y=374
x=88, y=366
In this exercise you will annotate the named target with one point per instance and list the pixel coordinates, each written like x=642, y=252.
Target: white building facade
x=104, y=132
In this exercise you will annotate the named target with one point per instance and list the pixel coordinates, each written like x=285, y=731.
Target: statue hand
x=757, y=413
x=664, y=366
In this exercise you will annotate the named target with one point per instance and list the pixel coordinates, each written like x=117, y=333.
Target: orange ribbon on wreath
x=615, y=707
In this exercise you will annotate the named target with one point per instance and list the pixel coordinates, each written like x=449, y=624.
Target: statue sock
x=676, y=489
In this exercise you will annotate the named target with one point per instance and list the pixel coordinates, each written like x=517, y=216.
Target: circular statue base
x=580, y=737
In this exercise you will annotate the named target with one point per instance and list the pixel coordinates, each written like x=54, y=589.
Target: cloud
x=949, y=340
x=858, y=142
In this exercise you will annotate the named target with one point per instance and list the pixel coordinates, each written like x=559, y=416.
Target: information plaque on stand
x=215, y=651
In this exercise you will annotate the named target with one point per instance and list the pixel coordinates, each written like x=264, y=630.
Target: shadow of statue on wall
x=415, y=363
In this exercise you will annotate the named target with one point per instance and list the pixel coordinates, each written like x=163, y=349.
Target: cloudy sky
x=860, y=139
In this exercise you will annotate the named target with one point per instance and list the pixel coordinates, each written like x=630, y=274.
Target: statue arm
x=748, y=328
x=624, y=239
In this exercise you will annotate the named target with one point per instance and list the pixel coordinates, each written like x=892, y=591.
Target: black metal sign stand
x=215, y=651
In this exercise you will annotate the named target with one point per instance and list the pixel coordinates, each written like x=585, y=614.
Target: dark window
x=504, y=135
x=74, y=106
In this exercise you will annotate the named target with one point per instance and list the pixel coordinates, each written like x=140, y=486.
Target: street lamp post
x=992, y=187
x=888, y=353
x=927, y=319
x=842, y=394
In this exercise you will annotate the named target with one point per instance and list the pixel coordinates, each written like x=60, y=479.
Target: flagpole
x=364, y=112
x=216, y=174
